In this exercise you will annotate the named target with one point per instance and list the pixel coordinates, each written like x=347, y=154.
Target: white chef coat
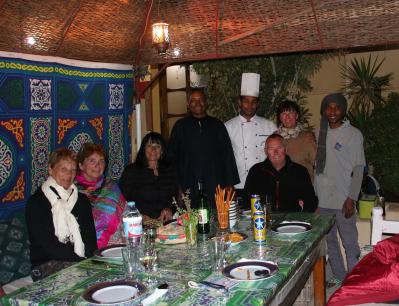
x=248, y=140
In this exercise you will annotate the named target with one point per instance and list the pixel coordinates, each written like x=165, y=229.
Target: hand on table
x=348, y=209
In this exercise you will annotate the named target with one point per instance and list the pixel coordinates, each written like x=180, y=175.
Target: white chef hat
x=250, y=84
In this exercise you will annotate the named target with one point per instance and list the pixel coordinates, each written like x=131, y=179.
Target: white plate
x=110, y=293
x=115, y=294
x=247, y=270
x=112, y=252
x=292, y=228
x=246, y=214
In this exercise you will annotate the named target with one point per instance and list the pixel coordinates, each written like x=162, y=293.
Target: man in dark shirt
x=287, y=183
x=201, y=150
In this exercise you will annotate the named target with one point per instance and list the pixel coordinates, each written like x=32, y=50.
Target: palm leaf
x=363, y=85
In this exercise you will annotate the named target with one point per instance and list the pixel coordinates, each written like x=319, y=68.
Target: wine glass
x=151, y=235
x=148, y=259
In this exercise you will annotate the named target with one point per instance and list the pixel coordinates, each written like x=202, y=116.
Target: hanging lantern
x=160, y=36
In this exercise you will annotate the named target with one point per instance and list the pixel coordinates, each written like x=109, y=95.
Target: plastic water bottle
x=132, y=224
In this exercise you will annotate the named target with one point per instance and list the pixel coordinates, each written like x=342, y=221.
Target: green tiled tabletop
x=177, y=266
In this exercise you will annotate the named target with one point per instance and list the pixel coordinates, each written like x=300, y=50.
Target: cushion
x=374, y=279
x=14, y=248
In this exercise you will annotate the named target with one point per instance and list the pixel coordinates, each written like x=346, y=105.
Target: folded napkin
x=158, y=293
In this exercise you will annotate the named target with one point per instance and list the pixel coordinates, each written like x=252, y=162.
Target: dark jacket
x=285, y=187
x=151, y=193
x=44, y=245
x=201, y=150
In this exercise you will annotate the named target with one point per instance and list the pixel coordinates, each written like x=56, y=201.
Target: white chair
x=379, y=226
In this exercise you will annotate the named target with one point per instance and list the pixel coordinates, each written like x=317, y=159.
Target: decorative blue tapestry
x=44, y=106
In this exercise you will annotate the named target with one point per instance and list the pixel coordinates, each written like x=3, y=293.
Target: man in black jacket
x=201, y=150
x=287, y=183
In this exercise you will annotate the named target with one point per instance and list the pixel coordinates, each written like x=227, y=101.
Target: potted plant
x=189, y=218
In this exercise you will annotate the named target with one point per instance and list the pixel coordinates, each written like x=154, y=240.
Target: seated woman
x=151, y=181
x=59, y=219
x=106, y=199
x=299, y=142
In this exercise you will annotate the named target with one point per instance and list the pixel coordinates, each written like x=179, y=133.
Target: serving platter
x=250, y=270
x=113, y=293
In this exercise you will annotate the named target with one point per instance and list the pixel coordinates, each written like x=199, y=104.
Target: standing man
x=287, y=183
x=248, y=131
x=201, y=150
x=339, y=170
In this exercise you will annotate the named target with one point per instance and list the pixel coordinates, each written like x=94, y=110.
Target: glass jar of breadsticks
x=223, y=199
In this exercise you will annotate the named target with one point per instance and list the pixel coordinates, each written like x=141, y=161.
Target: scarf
x=62, y=201
x=287, y=133
x=81, y=181
x=321, y=142
x=107, y=205
x=321, y=146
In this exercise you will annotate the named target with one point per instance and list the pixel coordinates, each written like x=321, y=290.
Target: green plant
x=187, y=213
x=377, y=118
x=382, y=145
x=281, y=77
x=141, y=71
x=363, y=85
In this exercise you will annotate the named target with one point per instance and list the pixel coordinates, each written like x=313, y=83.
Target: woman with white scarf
x=300, y=142
x=59, y=219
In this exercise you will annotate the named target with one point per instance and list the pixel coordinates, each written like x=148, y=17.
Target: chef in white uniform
x=248, y=131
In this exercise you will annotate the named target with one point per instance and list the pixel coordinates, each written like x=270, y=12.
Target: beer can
x=256, y=205
x=259, y=227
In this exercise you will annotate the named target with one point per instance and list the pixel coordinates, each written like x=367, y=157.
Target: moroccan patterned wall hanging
x=46, y=105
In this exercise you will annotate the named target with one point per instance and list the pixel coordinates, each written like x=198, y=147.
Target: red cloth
x=374, y=279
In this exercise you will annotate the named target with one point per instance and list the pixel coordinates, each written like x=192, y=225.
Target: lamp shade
x=160, y=36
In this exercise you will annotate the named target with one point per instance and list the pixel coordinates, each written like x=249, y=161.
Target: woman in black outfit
x=151, y=181
x=59, y=220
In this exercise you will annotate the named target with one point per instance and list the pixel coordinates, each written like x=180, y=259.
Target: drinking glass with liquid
x=148, y=259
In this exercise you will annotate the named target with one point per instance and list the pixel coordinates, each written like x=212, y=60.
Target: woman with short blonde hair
x=59, y=220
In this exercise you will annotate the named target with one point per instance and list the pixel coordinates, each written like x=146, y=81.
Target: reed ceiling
x=110, y=31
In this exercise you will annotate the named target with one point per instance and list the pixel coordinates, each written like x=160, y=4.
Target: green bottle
x=203, y=211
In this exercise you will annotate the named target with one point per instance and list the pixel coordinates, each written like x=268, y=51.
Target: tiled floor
x=305, y=298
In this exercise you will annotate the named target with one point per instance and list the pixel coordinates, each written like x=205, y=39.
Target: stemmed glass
x=148, y=258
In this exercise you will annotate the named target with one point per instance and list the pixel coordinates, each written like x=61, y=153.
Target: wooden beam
x=319, y=282
x=68, y=26
x=163, y=99
x=148, y=111
x=317, y=24
x=2, y=3
x=263, y=27
x=153, y=79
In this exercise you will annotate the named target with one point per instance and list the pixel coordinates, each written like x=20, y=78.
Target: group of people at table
x=78, y=210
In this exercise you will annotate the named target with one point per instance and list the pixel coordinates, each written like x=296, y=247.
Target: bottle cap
x=131, y=203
